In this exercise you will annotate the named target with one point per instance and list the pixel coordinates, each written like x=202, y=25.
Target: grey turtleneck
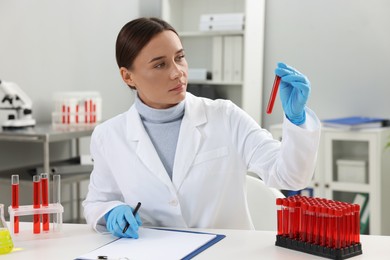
x=162, y=126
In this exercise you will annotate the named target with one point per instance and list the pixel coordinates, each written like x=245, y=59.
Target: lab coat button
x=173, y=203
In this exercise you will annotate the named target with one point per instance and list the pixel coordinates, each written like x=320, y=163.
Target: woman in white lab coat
x=185, y=158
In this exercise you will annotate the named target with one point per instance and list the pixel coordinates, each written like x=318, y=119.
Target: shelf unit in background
x=367, y=145
x=202, y=47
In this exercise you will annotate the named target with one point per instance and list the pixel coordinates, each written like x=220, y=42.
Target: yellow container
x=6, y=244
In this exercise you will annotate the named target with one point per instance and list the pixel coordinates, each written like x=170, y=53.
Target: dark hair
x=135, y=35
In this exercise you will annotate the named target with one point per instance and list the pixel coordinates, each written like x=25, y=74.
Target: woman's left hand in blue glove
x=294, y=91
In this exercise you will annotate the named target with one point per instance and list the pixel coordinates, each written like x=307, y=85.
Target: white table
x=77, y=239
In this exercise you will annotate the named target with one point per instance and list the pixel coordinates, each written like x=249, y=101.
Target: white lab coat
x=218, y=144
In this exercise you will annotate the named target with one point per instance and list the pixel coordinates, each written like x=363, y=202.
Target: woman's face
x=159, y=72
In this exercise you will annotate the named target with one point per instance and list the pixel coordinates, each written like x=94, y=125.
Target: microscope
x=18, y=101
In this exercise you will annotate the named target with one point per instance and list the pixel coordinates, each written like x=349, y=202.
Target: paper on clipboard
x=156, y=244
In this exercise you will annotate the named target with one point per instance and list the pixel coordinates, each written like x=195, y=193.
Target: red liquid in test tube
x=329, y=233
x=291, y=219
x=94, y=113
x=45, y=200
x=297, y=219
x=272, y=97
x=77, y=113
x=285, y=217
x=36, y=203
x=357, y=222
x=338, y=229
x=324, y=225
x=63, y=114
x=344, y=233
x=318, y=225
x=279, y=203
x=349, y=224
x=303, y=229
x=86, y=111
x=15, y=200
x=310, y=224
x=90, y=111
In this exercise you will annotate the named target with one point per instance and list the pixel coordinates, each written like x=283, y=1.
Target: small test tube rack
x=77, y=109
x=41, y=209
x=318, y=226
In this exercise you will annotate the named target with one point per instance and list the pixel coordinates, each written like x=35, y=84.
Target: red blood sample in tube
x=285, y=217
x=86, y=111
x=357, y=223
x=330, y=231
x=349, y=225
x=317, y=225
x=63, y=114
x=324, y=225
x=15, y=200
x=90, y=111
x=297, y=219
x=310, y=223
x=94, y=113
x=45, y=200
x=303, y=222
x=338, y=229
x=68, y=115
x=272, y=97
x=36, y=203
x=291, y=219
x=77, y=113
x=279, y=203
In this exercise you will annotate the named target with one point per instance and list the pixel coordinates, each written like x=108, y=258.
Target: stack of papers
x=356, y=122
x=222, y=22
x=156, y=244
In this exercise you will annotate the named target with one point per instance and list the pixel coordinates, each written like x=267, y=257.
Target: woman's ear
x=127, y=76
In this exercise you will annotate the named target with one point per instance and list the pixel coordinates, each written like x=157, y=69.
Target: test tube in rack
x=36, y=203
x=57, y=221
x=15, y=199
x=45, y=200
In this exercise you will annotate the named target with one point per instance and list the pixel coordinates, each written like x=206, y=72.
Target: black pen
x=134, y=212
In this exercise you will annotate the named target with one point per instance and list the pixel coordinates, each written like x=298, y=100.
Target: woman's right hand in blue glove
x=118, y=217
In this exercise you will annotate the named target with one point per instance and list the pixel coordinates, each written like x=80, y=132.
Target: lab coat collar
x=187, y=146
x=144, y=148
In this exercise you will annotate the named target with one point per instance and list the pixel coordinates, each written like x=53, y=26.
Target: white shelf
x=350, y=187
x=210, y=34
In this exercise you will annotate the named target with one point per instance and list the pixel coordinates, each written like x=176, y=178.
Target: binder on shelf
x=217, y=59
x=356, y=122
x=232, y=58
x=237, y=59
x=222, y=22
x=204, y=27
x=223, y=18
x=228, y=54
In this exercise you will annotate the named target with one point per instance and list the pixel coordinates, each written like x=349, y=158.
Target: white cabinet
x=353, y=165
x=207, y=50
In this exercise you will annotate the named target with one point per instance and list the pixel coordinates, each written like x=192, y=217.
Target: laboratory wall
x=343, y=47
x=49, y=46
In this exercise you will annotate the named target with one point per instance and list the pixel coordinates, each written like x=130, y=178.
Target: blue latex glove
x=294, y=91
x=118, y=217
